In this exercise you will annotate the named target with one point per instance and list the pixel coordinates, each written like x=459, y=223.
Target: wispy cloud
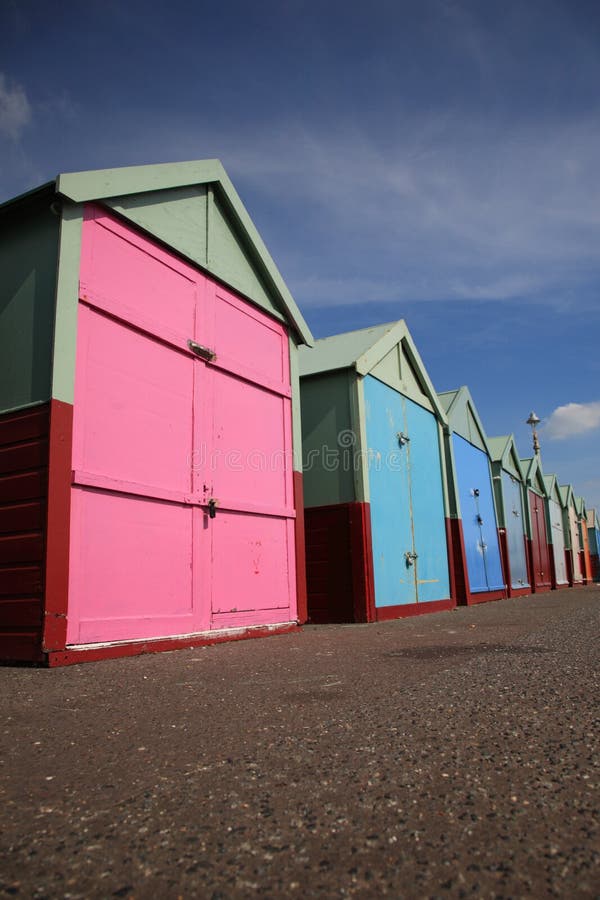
x=15, y=110
x=572, y=420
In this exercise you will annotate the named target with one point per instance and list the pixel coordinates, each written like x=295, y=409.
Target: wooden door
x=539, y=542
x=480, y=529
x=558, y=542
x=390, y=499
x=515, y=530
x=164, y=424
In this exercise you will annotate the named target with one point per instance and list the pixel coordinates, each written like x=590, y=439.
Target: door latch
x=212, y=508
x=403, y=438
x=410, y=558
x=202, y=351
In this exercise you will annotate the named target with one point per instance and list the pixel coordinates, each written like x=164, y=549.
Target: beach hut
x=594, y=542
x=540, y=566
x=374, y=479
x=571, y=526
x=556, y=532
x=149, y=418
x=477, y=562
x=508, y=478
x=586, y=562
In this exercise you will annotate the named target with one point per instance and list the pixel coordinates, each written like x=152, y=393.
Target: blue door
x=427, y=496
x=515, y=534
x=410, y=557
x=480, y=530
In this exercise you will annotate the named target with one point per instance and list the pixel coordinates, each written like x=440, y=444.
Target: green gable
x=463, y=418
x=194, y=209
x=29, y=236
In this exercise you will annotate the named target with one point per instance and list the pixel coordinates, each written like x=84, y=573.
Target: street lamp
x=534, y=420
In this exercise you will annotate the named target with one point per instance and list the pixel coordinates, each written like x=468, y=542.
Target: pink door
x=182, y=507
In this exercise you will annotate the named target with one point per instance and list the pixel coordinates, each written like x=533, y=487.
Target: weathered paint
x=28, y=258
x=484, y=566
x=410, y=554
x=515, y=530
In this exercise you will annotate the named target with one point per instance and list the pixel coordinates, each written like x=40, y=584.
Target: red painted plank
x=404, y=611
x=361, y=558
x=23, y=457
x=20, y=613
x=25, y=580
x=17, y=548
x=339, y=565
x=27, y=486
x=23, y=517
x=25, y=425
x=72, y=656
x=22, y=646
x=58, y=526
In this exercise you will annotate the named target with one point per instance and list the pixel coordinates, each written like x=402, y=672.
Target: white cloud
x=15, y=111
x=572, y=419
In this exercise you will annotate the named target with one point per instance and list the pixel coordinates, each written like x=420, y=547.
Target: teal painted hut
x=477, y=560
x=374, y=479
x=574, y=549
x=556, y=515
x=165, y=261
x=509, y=493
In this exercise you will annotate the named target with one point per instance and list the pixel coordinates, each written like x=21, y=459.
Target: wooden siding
x=23, y=497
x=339, y=565
x=28, y=257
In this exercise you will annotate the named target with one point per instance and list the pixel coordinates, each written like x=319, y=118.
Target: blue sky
x=435, y=161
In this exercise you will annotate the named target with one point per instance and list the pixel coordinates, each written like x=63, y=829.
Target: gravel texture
x=449, y=755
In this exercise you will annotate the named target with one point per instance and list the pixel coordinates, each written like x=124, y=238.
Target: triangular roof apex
x=503, y=449
x=532, y=466
x=98, y=184
x=362, y=350
x=101, y=184
x=566, y=492
x=452, y=400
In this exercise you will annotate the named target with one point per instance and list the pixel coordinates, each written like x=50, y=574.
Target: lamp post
x=534, y=420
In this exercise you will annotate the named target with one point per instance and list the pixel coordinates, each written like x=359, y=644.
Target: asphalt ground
x=449, y=755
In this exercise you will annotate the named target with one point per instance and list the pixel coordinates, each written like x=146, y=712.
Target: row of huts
x=180, y=463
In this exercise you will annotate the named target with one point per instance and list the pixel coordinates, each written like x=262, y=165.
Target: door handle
x=202, y=351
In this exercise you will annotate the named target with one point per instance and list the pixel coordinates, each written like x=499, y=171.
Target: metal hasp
x=410, y=558
x=201, y=351
x=212, y=508
x=403, y=438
